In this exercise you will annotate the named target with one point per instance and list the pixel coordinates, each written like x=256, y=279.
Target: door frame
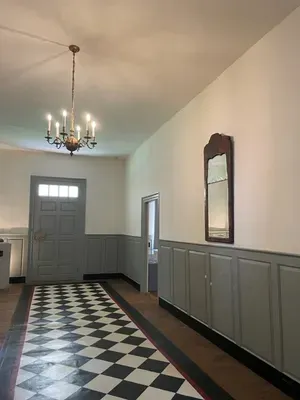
x=34, y=179
x=144, y=239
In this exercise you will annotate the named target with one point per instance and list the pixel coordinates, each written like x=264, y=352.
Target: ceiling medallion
x=69, y=140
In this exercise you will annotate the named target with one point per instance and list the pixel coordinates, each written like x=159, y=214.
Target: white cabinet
x=5, y=249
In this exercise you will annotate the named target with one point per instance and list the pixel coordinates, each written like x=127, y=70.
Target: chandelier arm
x=90, y=145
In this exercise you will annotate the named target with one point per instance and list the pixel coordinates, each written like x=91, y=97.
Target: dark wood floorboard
x=240, y=382
x=236, y=379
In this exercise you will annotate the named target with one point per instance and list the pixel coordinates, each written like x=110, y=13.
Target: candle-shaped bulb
x=88, y=119
x=49, y=118
x=78, y=132
x=57, y=129
x=64, y=113
x=93, y=129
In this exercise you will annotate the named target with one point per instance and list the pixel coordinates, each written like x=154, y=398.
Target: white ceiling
x=140, y=62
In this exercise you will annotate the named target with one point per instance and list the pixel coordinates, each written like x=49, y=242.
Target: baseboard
x=133, y=283
x=96, y=277
x=116, y=275
x=17, y=279
x=270, y=374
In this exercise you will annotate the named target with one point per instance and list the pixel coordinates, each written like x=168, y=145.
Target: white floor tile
x=56, y=344
x=56, y=356
x=26, y=360
x=110, y=328
x=54, y=325
x=80, y=322
x=96, y=366
x=139, y=334
x=30, y=336
x=53, y=317
x=172, y=371
x=87, y=340
x=125, y=318
x=147, y=344
x=158, y=356
x=116, y=337
x=58, y=371
x=142, y=376
x=105, y=320
x=55, y=334
x=131, y=361
x=91, y=352
x=100, y=313
x=186, y=389
x=23, y=376
x=123, y=348
x=84, y=331
x=152, y=393
x=60, y=390
x=22, y=394
x=103, y=383
x=29, y=346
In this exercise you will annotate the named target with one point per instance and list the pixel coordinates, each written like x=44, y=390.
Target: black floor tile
x=73, y=348
x=154, y=365
x=119, y=322
x=39, y=340
x=118, y=371
x=38, y=366
x=104, y=344
x=135, y=341
x=169, y=383
x=75, y=361
x=127, y=331
x=111, y=356
x=142, y=352
x=70, y=336
x=38, y=352
x=37, y=383
x=91, y=318
x=80, y=377
x=128, y=390
x=40, y=397
x=99, y=334
x=94, y=325
x=181, y=397
x=86, y=394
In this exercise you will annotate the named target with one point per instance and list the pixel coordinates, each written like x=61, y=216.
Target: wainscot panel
x=19, y=249
x=133, y=257
x=248, y=300
x=102, y=254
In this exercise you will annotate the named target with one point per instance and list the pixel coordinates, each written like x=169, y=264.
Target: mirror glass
x=217, y=195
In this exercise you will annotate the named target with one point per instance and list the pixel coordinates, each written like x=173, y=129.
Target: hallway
x=83, y=342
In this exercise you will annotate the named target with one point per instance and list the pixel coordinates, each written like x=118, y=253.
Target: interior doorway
x=150, y=240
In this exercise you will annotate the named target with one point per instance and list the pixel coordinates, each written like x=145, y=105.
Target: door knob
x=39, y=236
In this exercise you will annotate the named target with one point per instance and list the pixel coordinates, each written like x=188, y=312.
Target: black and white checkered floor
x=80, y=344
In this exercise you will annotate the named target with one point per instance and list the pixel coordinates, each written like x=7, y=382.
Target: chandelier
x=69, y=140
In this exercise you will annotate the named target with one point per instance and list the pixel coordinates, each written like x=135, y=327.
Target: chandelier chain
x=73, y=96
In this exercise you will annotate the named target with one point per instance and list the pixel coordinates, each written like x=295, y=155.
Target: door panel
x=67, y=224
x=58, y=233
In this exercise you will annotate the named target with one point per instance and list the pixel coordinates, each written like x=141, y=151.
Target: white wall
x=257, y=101
x=105, y=187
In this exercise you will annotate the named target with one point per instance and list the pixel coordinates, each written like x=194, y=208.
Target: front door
x=56, y=229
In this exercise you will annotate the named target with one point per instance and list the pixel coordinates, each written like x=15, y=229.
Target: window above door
x=58, y=191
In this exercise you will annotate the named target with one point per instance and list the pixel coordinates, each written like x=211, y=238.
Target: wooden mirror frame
x=220, y=144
